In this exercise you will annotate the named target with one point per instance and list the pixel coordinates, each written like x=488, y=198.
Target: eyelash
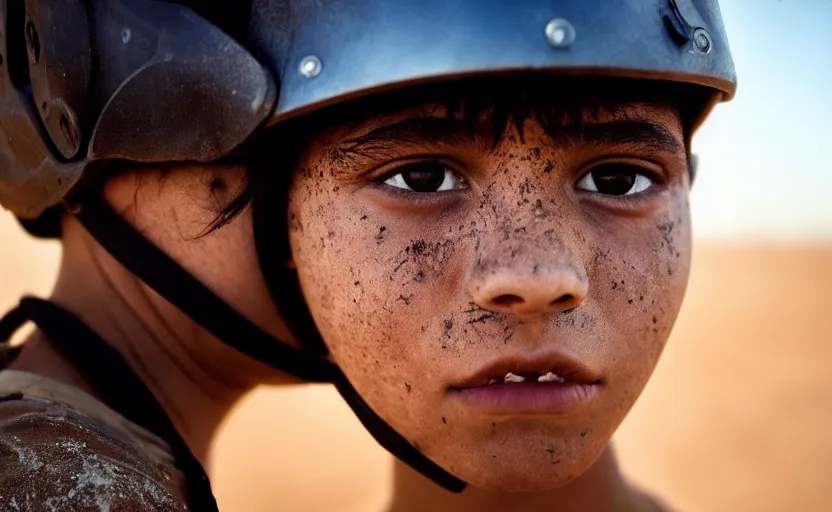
x=638, y=166
x=397, y=168
x=635, y=166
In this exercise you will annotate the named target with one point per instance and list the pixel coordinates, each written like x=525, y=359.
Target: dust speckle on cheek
x=423, y=259
x=405, y=299
x=447, y=334
x=380, y=236
x=576, y=319
x=636, y=287
x=448, y=325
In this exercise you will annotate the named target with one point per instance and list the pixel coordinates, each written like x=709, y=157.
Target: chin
x=533, y=464
x=521, y=481
x=530, y=477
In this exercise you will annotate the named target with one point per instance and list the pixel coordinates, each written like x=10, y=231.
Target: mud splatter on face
x=471, y=253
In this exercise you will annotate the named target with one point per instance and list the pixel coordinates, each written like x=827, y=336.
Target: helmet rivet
x=702, y=41
x=560, y=33
x=310, y=66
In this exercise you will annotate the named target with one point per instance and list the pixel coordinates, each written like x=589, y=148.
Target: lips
x=548, y=385
x=553, y=368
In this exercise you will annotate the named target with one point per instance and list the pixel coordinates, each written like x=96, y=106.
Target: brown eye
x=428, y=176
x=616, y=180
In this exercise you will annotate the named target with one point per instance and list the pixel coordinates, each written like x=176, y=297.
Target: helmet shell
x=192, y=81
x=338, y=49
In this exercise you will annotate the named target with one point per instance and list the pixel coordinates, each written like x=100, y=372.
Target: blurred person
x=481, y=239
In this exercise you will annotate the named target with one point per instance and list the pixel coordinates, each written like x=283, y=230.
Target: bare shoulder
x=53, y=457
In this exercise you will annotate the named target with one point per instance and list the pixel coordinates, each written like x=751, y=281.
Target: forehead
x=491, y=108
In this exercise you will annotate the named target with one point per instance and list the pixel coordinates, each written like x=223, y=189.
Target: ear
x=693, y=164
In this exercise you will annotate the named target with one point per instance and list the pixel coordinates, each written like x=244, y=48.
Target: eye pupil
x=615, y=180
x=424, y=176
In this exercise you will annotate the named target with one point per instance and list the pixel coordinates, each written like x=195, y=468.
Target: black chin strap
x=157, y=270
x=391, y=440
x=175, y=284
x=111, y=376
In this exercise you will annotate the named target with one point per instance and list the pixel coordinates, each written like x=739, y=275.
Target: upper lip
x=561, y=365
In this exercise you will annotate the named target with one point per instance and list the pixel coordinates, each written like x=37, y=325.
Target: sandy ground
x=736, y=418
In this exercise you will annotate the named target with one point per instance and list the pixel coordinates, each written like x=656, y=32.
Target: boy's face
x=435, y=262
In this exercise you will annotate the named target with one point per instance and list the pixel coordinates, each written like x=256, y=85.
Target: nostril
x=563, y=300
x=507, y=300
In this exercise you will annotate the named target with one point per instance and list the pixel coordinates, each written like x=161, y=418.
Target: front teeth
x=511, y=377
x=550, y=377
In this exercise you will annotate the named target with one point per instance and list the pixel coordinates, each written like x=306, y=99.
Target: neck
x=190, y=373
x=600, y=489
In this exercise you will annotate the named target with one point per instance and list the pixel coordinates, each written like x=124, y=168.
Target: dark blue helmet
x=155, y=81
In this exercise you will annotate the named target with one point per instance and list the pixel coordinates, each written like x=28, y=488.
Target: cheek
x=638, y=279
x=374, y=292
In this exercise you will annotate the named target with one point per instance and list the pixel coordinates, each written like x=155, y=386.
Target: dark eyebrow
x=382, y=142
x=417, y=131
x=644, y=135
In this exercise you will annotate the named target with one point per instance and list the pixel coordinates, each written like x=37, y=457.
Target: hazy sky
x=766, y=157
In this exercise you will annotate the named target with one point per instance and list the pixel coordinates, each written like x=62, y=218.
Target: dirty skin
x=422, y=310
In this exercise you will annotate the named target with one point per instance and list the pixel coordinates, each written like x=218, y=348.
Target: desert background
x=738, y=416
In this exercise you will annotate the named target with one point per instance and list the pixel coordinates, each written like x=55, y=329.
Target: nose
x=529, y=288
